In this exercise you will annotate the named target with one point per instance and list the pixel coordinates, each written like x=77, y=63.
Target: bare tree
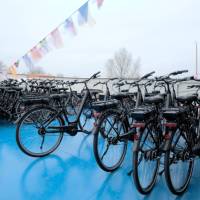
x=122, y=65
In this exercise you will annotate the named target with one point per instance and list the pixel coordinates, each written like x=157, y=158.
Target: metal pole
x=196, y=45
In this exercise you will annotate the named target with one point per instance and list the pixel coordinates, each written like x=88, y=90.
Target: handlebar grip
x=95, y=75
x=183, y=71
x=190, y=78
x=178, y=72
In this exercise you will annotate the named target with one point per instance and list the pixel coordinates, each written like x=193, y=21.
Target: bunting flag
x=12, y=70
x=99, y=3
x=16, y=64
x=35, y=54
x=83, y=14
x=55, y=38
x=28, y=62
x=69, y=26
x=44, y=47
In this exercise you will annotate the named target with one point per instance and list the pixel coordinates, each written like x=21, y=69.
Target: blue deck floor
x=71, y=173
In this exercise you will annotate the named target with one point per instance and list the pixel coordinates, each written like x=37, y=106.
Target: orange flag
x=36, y=54
x=12, y=70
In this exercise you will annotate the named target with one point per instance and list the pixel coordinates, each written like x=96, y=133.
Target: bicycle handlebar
x=178, y=72
x=94, y=75
x=147, y=75
x=105, y=82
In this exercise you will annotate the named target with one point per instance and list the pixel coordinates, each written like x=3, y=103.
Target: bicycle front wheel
x=178, y=164
x=146, y=160
x=109, y=149
x=33, y=137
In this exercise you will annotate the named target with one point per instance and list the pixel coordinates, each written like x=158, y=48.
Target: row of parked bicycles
x=163, y=127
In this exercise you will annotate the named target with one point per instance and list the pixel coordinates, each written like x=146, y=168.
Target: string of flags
x=54, y=39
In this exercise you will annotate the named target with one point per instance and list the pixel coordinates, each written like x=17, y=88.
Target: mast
x=196, y=50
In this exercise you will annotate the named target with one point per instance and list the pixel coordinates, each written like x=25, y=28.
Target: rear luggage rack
x=142, y=113
x=103, y=105
x=173, y=113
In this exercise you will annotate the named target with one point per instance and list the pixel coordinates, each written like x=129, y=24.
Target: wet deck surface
x=71, y=173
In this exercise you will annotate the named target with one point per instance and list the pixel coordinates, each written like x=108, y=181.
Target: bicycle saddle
x=30, y=101
x=142, y=113
x=187, y=99
x=120, y=96
x=173, y=113
x=17, y=88
x=154, y=99
x=93, y=91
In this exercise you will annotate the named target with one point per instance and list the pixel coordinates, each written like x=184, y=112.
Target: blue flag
x=83, y=14
x=28, y=61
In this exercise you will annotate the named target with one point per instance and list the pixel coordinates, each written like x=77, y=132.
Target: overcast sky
x=162, y=33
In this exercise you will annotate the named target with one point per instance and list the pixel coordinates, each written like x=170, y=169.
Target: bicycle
x=50, y=122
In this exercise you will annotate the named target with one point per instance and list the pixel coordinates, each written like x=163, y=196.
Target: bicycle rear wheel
x=32, y=137
x=178, y=165
x=146, y=160
x=109, y=150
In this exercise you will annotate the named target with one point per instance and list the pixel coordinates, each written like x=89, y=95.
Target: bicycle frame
x=74, y=124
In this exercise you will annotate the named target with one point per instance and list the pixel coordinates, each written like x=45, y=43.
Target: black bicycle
x=113, y=128
x=45, y=133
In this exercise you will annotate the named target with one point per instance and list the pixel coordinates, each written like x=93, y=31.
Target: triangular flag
x=12, y=70
x=99, y=3
x=35, y=54
x=57, y=39
x=44, y=47
x=28, y=62
x=16, y=64
x=69, y=25
x=83, y=14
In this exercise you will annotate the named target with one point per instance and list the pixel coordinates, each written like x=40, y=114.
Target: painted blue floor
x=71, y=173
